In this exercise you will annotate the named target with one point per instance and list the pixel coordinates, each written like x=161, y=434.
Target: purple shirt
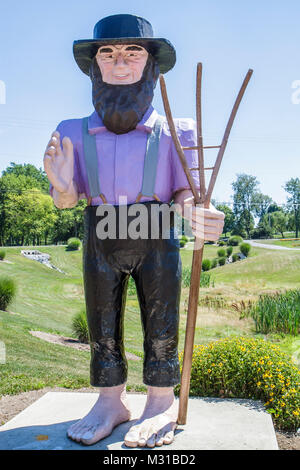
x=121, y=158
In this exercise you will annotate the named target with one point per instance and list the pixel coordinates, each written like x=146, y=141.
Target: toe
x=159, y=439
x=142, y=442
x=151, y=441
x=132, y=437
x=168, y=437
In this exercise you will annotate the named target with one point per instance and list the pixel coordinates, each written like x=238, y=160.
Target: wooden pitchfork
x=204, y=200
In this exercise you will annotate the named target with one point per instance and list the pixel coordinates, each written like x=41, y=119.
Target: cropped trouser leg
x=105, y=295
x=158, y=281
x=155, y=266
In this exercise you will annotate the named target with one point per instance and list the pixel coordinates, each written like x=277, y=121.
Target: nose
x=120, y=60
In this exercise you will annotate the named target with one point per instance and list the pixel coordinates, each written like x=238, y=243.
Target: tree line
x=28, y=215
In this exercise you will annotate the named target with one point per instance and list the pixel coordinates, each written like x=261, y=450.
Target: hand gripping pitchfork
x=204, y=200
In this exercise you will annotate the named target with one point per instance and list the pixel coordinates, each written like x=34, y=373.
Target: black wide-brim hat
x=124, y=29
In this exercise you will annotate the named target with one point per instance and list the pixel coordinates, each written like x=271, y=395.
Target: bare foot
x=157, y=424
x=110, y=410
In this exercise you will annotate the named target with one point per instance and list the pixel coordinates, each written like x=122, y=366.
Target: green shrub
x=7, y=292
x=235, y=257
x=252, y=369
x=213, y=263
x=182, y=243
x=245, y=248
x=80, y=327
x=279, y=312
x=184, y=238
x=2, y=254
x=235, y=240
x=221, y=252
x=222, y=260
x=73, y=244
x=229, y=250
x=221, y=243
x=206, y=264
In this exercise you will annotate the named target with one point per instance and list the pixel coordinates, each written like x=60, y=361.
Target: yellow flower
x=295, y=413
x=258, y=384
x=209, y=371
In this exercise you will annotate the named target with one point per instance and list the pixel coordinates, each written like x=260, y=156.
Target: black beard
x=121, y=107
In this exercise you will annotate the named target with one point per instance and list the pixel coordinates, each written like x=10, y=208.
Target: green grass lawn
x=47, y=300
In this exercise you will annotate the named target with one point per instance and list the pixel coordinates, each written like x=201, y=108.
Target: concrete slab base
x=213, y=424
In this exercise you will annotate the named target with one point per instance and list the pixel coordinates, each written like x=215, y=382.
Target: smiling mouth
x=121, y=76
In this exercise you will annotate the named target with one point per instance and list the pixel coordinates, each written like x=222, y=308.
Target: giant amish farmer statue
x=124, y=151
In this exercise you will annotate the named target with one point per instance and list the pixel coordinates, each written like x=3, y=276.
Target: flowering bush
x=248, y=368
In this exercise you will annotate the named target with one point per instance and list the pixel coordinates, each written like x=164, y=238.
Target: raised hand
x=59, y=162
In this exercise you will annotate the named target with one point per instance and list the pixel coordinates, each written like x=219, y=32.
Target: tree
x=260, y=204
x=29, y=216
x=245, y=189
x=292, y=187
x=31, y=171
x=279, y=221
x=229, y=217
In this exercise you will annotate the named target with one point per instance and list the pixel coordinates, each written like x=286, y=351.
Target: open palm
x=59, y=162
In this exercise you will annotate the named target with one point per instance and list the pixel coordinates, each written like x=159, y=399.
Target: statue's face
x=121, y=64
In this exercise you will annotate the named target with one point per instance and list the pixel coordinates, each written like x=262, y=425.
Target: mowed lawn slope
x=47, y=300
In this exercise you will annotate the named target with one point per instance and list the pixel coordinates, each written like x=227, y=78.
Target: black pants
x=155, y=266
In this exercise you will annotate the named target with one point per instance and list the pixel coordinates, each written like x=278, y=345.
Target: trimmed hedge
x=222, y=260
x=206, y=265
x=2, y=254
x=235, y=240
x=248, y=368
x=229, y=250
x=221, y=252
x=245, y=248
x=73, y=243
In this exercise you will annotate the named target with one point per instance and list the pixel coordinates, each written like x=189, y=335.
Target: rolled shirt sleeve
x=187, y=134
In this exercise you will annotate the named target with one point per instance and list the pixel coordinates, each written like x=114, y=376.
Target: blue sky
x=45, y=86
